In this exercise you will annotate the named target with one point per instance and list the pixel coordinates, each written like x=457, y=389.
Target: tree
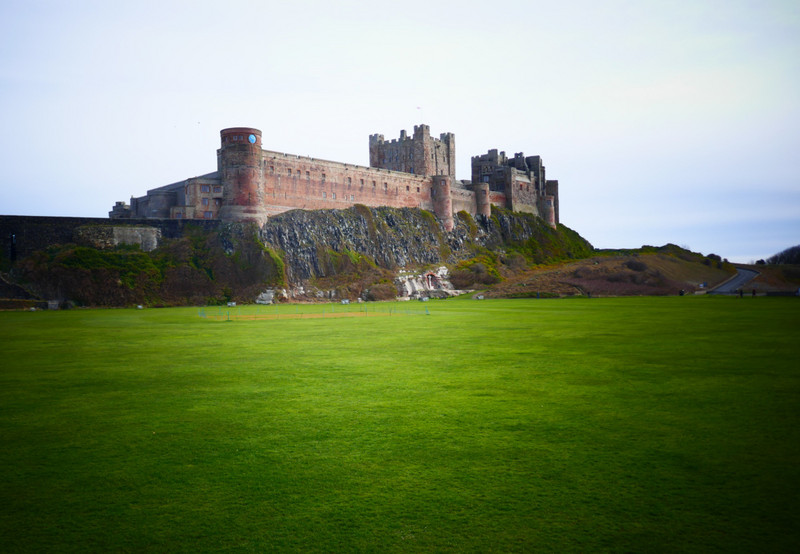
x=789, y=256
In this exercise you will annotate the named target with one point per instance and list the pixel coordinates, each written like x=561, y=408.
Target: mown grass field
x=629, y=425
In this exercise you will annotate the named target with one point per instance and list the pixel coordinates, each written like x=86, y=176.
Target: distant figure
x=741, y=293
x=754, y=293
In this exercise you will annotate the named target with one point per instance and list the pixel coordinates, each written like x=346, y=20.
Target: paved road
x=743, y=276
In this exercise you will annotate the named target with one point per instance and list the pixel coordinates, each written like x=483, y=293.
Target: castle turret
x=239, y=164
x=443, y=201
x=547, y=210
x=482, y=204
x=551, y=189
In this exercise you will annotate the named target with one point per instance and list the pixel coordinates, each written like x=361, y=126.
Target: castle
x=417, y=171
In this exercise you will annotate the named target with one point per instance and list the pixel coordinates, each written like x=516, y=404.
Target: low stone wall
x=107, y=236
x=22, y=235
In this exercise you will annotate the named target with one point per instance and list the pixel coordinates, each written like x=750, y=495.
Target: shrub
x=471, y=226
x=582, y=272
x=462, y=279
x=381, y=291
x=789, y=256
x=481, y=270
x=516, y=261
x=635, y=265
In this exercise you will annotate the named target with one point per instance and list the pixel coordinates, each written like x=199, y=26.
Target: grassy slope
x=647, y=273
x=632, y=424
x=771, y=278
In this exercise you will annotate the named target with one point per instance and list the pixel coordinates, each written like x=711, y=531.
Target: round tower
x=548, y=211
x=442, y=201
x=241, y=174
x=482, y=204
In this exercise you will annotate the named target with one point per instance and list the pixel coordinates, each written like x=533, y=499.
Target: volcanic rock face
x=390, y=237
x=400, y=237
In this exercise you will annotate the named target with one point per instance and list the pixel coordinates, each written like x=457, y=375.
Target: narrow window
x=334, y=196
x=417, y=189
x=205, y=201
x=217, y=189
x=323, y=177
x=324, y=194
x=205, y=188
x=289, y=171
x=308, y=175
x=352, y=198
x=362, y=182
x=385, y=185
x=208, y=215
x=407, y=188
x=373, y=184
x=272, y=170
x=349, y=181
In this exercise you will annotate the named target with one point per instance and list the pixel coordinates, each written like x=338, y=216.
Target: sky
x=663, y=121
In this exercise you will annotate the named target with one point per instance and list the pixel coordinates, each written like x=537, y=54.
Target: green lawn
x=626, y=425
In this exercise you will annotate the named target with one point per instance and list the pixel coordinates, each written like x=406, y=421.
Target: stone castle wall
x=299, y=182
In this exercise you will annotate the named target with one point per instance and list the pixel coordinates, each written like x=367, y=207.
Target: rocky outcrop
x=434, y=283
x=394, y=238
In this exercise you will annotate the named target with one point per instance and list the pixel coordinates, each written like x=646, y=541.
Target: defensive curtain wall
x=416, y=171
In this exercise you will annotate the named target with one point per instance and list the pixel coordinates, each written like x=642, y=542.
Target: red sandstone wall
x=299, y=182
x=497, y=198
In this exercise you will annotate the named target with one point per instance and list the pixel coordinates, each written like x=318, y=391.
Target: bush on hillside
x=381, y=291
x=789, y=256
x=635, y=265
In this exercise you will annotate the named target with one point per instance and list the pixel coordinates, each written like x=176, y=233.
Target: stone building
x=416, y=171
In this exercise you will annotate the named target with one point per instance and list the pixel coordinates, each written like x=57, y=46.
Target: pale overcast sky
x=664, y=121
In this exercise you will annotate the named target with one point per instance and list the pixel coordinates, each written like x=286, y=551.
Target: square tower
x=419, y=154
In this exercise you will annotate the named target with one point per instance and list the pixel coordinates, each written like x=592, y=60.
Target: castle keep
x=416, y=171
